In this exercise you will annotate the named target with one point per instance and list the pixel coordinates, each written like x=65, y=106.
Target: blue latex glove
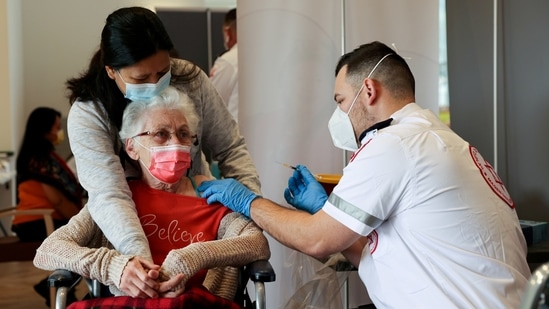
x=230, y=193
x=304, y=191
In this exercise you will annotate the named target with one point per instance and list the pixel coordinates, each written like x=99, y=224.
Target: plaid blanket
x=195, y=297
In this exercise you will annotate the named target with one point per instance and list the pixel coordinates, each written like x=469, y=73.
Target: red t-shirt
x=173, y=221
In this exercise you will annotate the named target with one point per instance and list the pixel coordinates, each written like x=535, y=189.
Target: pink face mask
x=169, y=163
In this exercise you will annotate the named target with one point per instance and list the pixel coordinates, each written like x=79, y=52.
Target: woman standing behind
x=44, y=180
x=133, y=63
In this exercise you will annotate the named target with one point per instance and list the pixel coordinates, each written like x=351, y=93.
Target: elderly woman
x=191, y=242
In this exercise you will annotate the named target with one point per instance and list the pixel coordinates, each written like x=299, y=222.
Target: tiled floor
x=16, y=286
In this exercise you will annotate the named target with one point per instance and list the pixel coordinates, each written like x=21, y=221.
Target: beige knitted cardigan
x=81, y=247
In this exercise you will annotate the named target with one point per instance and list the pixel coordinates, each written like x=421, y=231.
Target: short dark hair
x=230, y=17
x=393, y=72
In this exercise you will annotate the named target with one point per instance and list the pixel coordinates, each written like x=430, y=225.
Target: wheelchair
x=259, y=272
x=13, y=249
x=536, y=294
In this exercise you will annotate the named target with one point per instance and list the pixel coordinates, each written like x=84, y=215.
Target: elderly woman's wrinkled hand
x=172, y=287
x=136, y=281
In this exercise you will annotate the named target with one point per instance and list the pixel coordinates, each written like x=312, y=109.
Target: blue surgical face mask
x=138, y=92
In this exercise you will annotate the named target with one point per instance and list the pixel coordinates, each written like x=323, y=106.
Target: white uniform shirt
x=442, y=228
x=224, y=76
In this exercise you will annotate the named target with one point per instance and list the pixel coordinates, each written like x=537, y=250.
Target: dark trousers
x=34, y=230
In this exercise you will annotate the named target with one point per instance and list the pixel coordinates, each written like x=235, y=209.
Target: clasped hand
x=141, y=278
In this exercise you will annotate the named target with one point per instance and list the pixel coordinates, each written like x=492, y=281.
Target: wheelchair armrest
x=63, y=278
x=261, y=271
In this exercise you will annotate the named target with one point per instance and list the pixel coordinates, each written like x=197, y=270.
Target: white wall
x=286, y=77
x=5, y=121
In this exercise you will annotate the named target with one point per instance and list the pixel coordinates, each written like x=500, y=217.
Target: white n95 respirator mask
x=341, y=128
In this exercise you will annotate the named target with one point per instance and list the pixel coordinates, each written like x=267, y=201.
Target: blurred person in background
x=224, y=76
x=224, y=73
x=44, y=181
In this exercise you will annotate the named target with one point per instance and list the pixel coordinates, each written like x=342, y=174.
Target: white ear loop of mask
x=396, y=49
x=377, y=64
x=139, y=159
x=138, y=142
x=369, y=75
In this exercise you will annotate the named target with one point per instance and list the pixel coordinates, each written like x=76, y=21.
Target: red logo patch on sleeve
x=491, y=177
x=372, y=241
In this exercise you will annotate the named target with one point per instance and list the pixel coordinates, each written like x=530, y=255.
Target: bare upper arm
x=318, y=235
x=60, y=202
x=332, y=235
x=52, y=194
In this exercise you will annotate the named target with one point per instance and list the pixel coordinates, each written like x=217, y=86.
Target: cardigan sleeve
x=240, y=242
x=79, y=246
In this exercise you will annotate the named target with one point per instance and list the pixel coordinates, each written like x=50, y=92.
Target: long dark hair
x=35, y=145
x=129, y=36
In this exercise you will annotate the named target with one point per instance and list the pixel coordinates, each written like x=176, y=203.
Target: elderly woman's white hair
x=169, y=99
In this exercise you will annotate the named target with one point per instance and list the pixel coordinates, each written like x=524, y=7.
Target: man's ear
x=370, y=90
x=227, y=32
x=230, y=36
x=111, y=72
x=130, y=149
